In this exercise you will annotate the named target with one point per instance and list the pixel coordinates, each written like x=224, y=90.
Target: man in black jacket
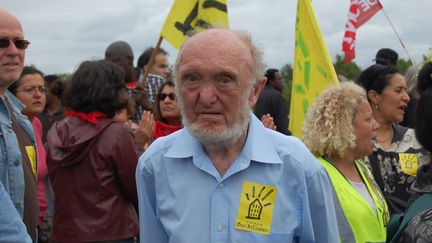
x=271, y=101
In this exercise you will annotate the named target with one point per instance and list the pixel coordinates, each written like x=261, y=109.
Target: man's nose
x=12, y=50
x=207, y=94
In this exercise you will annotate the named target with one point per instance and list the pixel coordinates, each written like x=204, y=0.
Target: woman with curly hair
x=338, y=130
x=397, y=154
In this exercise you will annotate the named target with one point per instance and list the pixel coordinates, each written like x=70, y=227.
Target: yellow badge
x=256, y=207
x=31, y=154
x=408, y=163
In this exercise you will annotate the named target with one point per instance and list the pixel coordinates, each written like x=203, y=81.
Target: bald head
x=236, y=42
x=119, y=48
x=6, y=14
x=11, y=58
x=120, y=53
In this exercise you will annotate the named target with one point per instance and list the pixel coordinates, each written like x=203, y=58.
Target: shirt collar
x=259, y=146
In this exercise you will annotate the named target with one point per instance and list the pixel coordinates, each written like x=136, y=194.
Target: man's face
x=160, y=66
x=11, y=58
x=278, y=82
x=214, y=85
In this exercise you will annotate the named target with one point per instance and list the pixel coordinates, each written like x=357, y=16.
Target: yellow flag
x=187, y=15
x=313, y=67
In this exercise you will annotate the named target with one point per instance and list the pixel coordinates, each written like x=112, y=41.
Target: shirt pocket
x=272, y=238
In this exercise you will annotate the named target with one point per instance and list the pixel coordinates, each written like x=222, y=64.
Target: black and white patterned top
x=419, y=228
x=152, y=86
x=395, y=169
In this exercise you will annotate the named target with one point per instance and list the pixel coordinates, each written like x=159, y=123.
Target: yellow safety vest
x=357, y=222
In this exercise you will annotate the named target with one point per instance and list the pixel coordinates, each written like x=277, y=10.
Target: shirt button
x=221, y=186
x=18, y=205
x=219, y=228
x=17, y=162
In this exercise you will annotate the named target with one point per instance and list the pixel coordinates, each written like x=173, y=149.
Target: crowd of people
x=202, y=152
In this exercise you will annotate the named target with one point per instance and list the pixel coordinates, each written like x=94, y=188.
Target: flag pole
x=399, y=38
x=151, y=61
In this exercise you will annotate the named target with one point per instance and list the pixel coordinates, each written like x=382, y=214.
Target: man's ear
x=256, y=90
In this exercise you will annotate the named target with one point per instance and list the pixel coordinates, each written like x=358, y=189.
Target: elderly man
x=226, y=178
x=17, y=142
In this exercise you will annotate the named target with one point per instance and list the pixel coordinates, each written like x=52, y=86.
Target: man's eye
x=191, y=78
x=225, y=79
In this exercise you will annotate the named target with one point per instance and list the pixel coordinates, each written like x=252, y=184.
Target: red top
x=162, y=129
x=42, y=170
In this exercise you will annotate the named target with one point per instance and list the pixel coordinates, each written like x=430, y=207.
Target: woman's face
x=365, y=128
x=167, y=103
x=31, y=92
x=393, y=100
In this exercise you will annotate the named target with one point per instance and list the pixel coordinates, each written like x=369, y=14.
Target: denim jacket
x=11, y=169
x=12, y=228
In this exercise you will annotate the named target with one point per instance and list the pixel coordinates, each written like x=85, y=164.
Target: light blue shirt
x=11, y=167
x=183, y=198
x=12, y=228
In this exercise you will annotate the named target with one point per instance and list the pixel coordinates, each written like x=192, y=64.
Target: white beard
x=211, y=136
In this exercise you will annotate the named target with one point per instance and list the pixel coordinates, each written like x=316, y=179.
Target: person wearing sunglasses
x=16, y=133
x=30, y=90
x=167, y=113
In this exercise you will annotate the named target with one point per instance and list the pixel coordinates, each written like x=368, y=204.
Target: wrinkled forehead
x=221, y=43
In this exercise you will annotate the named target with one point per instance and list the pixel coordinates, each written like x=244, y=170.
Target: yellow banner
x=313, y=67
x=188, y=15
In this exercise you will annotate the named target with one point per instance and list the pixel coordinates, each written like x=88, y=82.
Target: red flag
x=367, y=9
x=360, y=11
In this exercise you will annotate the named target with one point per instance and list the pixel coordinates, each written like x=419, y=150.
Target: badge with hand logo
x=256, y=207
x=408, y=163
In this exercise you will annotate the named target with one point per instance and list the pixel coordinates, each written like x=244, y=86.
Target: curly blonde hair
x=328, y=127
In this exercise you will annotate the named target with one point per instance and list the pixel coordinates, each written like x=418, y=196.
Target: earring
x=376, y=107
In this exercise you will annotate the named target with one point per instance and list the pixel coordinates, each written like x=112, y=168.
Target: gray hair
x=257, y=67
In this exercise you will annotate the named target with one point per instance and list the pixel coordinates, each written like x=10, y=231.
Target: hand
x=268, y=122
x=144, y=132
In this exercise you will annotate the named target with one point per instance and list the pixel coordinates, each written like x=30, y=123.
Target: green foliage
x=402, y=65
x=349, y=70
x=287, y=75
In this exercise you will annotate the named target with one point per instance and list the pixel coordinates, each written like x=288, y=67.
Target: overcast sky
x=63, y=33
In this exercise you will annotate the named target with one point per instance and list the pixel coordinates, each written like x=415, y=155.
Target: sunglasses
x=19, y=43
x=162, y=96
